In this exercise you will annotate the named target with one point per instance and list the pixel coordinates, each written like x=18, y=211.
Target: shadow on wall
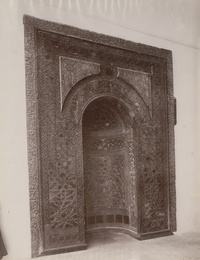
x=3, y=250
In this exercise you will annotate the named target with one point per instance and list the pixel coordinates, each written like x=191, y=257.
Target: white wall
x=171, y=25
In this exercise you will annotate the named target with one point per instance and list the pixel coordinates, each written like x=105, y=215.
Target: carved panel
x=105, y=182
x=105, y=143
x=72, y=71
x=133, y=150
x=141, y=81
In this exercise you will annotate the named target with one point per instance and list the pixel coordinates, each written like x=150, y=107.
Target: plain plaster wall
x=14, y=196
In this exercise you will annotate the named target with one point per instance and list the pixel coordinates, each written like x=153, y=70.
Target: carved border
x=31, y=25
x=33, y=140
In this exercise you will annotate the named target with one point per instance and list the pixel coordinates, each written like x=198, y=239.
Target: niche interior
x=100, y=120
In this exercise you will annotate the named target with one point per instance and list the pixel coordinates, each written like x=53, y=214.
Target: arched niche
x=128, y=115
x=109, y=165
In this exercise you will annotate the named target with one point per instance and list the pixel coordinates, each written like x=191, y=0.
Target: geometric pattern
x=72, y=71
x=140, y=81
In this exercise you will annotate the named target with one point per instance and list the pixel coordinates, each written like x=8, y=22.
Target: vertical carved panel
x=33, y=141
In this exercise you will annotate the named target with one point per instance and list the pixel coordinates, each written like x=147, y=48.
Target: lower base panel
x=98, y=230
x=155, y=235
x=132, y=233
x=64, y=249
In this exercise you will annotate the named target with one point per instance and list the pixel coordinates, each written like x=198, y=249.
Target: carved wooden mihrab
x=100, y=119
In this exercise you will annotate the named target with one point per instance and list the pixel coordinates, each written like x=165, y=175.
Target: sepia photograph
x=99, y=129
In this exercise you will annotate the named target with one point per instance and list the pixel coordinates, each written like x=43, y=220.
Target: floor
x=117, y=246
